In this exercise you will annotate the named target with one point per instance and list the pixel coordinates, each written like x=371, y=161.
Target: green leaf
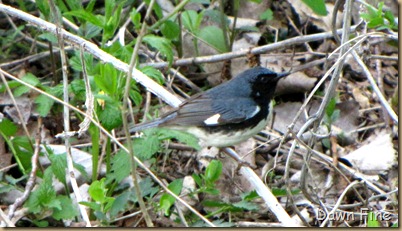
x=170, y=30
x=163, y=45
x=108, y=203
x=110, y=115
x=248, y=196
x=7, y=127
x=88, y=17
x=335, y=115
x=68, y=211
x=326, y=142
x=318, y=6
x=213, y=36
x=77, y=86
x=44, y=197
x=282, y=192
x=153, y=73
x=30, y=79
x=191, y=20
x=146, y=146
x=213, y=171
x=246, y=205
x=107, y=80
x=97, y=190
x=183, y=137
x=135, y=18
x=120, y=204
x=112, y=20
x=59, y=166
x=43, y=105
x=48, y=37
x=211, y=191
x=168, y=200
x=136, y=97
x=267, y=15
x=214, y=204
x=215, y=16
x=23, y=152
x=390, y=17
x=120, y=167
x=93, y=205
x=43, y=6
x=331, y=107
x=197, y=179
x=147, y=187
x=374, y=22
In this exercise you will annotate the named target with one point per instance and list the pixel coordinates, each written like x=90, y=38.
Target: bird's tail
x=151, y=124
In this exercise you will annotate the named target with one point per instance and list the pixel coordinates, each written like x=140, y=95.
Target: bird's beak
x=281, y=75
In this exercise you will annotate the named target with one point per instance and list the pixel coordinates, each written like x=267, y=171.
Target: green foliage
x=110, y=114
x=170, y=30
x=378, y=18
x=163, y=45
x=331, y=113
x=267, y=15
x=101, y=203
x=44, y=201
x=318, y=6
x=120, y=167
x=214, y=37
x=153, y=73
x=191, y=20
x=167, y=200
x=22, y=89
x=7, y=128
x=150, y=143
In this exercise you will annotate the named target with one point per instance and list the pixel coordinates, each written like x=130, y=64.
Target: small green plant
x=379, y=18
x=44, y=202
x=331, y=115
x=101, y=203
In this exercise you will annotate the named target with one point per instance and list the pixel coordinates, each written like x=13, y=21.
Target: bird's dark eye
x=263, y=78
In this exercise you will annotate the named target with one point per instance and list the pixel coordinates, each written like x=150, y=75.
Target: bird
x=227, y=114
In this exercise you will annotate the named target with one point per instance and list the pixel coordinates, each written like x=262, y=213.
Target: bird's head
x=263, y=82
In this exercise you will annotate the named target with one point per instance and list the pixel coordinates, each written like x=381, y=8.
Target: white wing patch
x=257, y=109
x=213, y=120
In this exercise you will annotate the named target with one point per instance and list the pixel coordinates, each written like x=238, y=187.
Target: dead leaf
x=376, y=156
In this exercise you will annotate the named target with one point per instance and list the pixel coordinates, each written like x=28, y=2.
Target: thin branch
x=377, y=91
x=126, y=101
x=244, y=52
x=31, y=181
x=66, y=115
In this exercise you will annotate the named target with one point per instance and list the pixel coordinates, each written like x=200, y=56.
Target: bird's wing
x=205, y=111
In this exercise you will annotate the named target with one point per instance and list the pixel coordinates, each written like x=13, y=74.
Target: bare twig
x=31, y=58
x=377, y=91
x=4, y=218
x=245, y=52
x=31, y=181
x=66, y=115
x=126, y=101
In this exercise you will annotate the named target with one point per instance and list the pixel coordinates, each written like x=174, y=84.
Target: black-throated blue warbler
x=227, y=114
